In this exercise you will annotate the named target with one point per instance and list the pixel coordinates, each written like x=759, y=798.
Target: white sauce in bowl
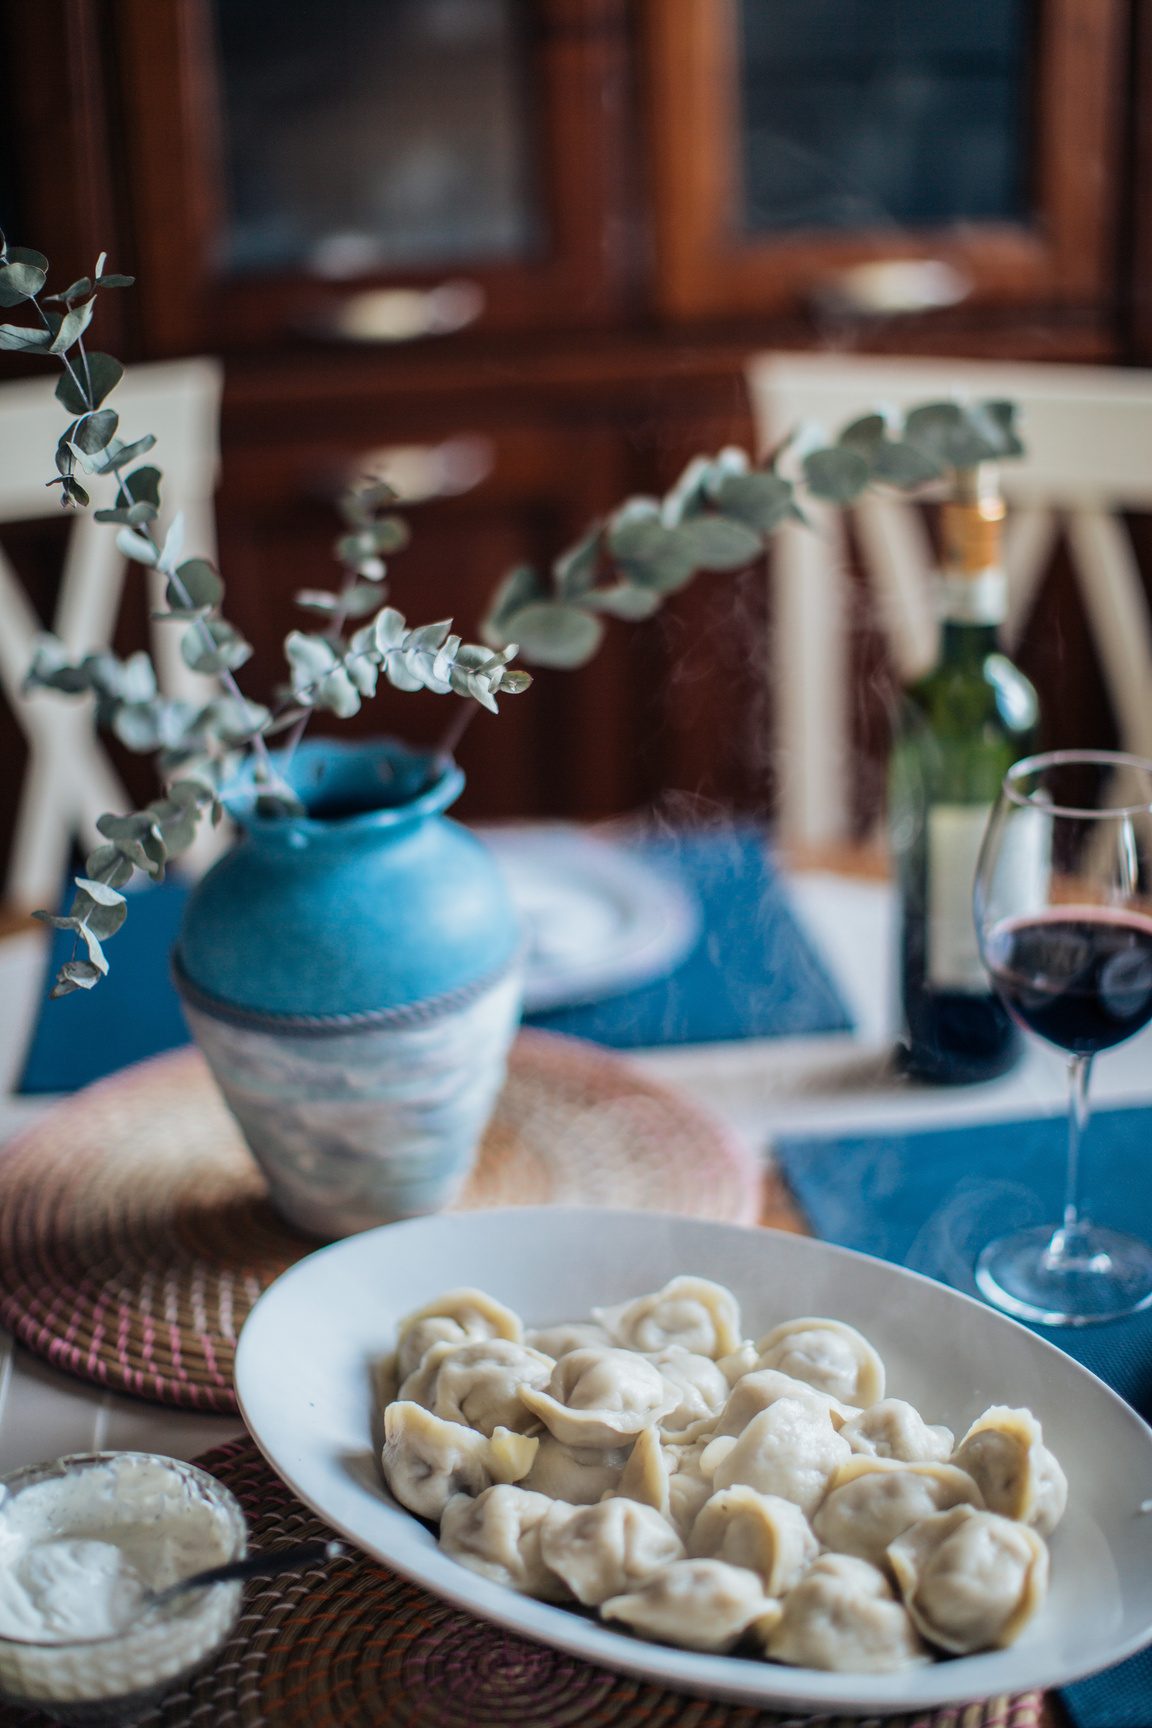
x=81, y=1545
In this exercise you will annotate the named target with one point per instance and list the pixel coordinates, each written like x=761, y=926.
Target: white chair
x=1088, y=431
x=70, y=780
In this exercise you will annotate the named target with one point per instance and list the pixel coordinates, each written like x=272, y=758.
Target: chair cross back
x=1088, y=431
x=70, y=780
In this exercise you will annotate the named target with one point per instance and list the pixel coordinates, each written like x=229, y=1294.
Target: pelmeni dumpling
x=568, y=1335
x=873, y=1500
x=742, y=1361
x=764, y=1387
x=426, y=1460
x=700, y=1604
x=479, y=1384
x=1018, y=1476
x=498, y=1535
x=693, y=1312
x=768, y=1535
x=605, y=1550
x=454, y=1318
x=842, y=1617
x=577, y=1474
x=829, y=1355
x=600, y=1397
x=971, y=1580
x=647, y=1475
x=688, y=1486
x=703, y=1390
x=790, y=1449
x=894, y=1429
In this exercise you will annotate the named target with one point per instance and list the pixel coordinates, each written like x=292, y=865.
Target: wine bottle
x=960, y=729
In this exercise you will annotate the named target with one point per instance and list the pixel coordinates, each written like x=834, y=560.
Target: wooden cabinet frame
x=166, y=63
x=707, y=268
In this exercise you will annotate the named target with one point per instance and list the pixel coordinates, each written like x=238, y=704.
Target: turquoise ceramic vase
x=352, y=978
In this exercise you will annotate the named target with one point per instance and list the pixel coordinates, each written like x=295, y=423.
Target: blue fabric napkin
x=931, y=1200
x=752, y=974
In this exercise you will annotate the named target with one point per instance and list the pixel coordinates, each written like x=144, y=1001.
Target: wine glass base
x=1102, y=1275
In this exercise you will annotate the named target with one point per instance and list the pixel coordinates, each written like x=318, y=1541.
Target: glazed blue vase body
x=352, y=977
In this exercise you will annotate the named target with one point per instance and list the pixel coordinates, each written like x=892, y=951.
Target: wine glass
x=1063, y=907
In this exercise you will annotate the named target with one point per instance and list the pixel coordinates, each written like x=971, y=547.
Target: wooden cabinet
x=592, y=339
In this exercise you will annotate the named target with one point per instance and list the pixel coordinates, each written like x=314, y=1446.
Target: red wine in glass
x=1079, y=976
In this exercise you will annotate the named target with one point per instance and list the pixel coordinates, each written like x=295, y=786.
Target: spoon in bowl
x=255, y=1566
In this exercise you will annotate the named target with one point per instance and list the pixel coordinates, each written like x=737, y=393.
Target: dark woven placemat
x=136, y=1231
x=354, y=1646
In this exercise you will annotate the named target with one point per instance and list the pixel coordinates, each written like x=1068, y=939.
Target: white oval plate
x=302, y=1375
x=598, y=919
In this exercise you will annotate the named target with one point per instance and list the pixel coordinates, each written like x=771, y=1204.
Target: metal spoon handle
x=255, y=1566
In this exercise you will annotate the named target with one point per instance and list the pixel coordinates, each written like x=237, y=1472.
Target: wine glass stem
x=1062, y=1246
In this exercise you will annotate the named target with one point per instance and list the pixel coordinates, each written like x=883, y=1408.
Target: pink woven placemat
x=136, y=1230
x=354, y=1646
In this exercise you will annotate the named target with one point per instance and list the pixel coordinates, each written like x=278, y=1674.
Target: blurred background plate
x=598, y=920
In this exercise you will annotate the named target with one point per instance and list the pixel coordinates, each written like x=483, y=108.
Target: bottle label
x=955, y=833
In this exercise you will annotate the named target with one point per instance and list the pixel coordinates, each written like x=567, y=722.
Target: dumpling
x=693, y=1312
x=894, y=1429
x=479, y=1384
x=843, y=1617
x=602, y=1551
x=874, y=1500
x=688, y=1485
x=700, y=1604
x=498, y=1535
x=600, y=1397
x=453, y=1318
x=1017, y=1474
x=426, y=1460
x=742, y=1361
x=758, y=1390
x=557, y=1341
x=970, y=1580
x=768, y=1535
x=829, y=1355
x=578, y=1474
x=703, y=1390
x=647, y=1475
x=790, y=1449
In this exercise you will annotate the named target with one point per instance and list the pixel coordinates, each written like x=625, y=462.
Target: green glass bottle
x=961, y=727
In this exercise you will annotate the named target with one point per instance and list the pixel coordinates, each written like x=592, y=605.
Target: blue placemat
x=931, y=1200
x=751, y=975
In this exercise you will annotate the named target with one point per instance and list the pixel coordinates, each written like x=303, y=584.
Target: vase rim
x=316, y=756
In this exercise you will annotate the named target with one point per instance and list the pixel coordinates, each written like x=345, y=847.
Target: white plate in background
x=302, y=1375
x=598, y=920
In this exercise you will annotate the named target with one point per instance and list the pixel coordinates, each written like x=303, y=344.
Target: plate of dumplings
x=730, y=1461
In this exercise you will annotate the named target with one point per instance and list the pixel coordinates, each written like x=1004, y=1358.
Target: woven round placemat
x=136, y=1230
x=351, y=1645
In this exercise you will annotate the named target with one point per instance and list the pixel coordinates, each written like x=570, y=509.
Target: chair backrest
x=1088, y=431
x=70, y=780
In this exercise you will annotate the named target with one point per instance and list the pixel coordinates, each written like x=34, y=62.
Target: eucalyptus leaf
x=624, y=601
x=760, y=500
x=19, y=282
x=143, y=486
x=903, y=465
x=557, y=635
x=24, y=255
x=200, y=584
x=228, y=649
x=653, y=556
x=74, y=291
x=522, y=585
x=136, y=547
x=115, y=281
x=74, y=493
x=865, y=435
x=108, y=864
x=95, y=431
x=79, y=975
x=72, y=326
x=574, y=571
x=18, y=339
x=102, y=371
x=720, y=544
x=838, y=476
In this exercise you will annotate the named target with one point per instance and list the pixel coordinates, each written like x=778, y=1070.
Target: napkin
x=752, y=974
x=930, y=1200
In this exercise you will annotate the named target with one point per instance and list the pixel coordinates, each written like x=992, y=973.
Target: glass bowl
x=176, y=1520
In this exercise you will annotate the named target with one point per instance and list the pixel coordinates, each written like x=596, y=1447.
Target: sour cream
x=83, y=1543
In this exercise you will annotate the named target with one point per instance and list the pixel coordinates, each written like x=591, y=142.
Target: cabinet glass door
x=371, y=135
x=873, y=114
